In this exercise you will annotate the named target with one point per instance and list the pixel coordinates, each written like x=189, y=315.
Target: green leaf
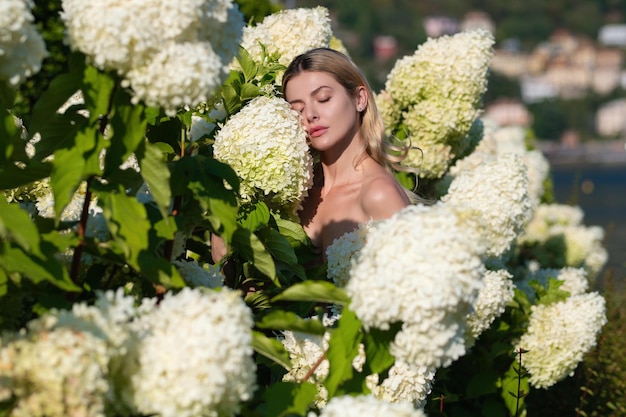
x=293, y=231
x=128, y=223
x=288, y=398
x=248, y=66
x=249, y=91
x=252, y=250
x=47, y=268
x=343, y=348
x=160, y=270
x=553, y=293
x=376, y=343
x=16, y=224
x=9, y=133
x=254, y=216
x=286, y=320
x=7, y=95
x=271, y=349
x=232, y=101
x=156, y=174
x=98, y=92
x=60, y=89
x=67, y=171
x=278, y=246
x=482, y=383
x=314, y=291
x=4, y=280
x=12, y=177
x=514, y=389
x=129, y=127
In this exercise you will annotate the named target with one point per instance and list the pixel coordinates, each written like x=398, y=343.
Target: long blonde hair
x=346, y=73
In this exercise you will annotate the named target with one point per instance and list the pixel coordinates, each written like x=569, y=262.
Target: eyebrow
x=314, y=92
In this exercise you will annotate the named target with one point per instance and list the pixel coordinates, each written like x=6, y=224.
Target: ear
x=361, y=98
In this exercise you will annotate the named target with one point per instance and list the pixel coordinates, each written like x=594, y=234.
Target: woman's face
x=328, y=112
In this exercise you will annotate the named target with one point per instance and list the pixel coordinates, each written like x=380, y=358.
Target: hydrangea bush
x=167, y=129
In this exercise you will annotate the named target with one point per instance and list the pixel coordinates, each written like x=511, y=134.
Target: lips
x=317, y=131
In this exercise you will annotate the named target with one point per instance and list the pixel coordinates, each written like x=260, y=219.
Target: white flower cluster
x=498, y=190
x=497, y=292
x=196, y=275
x=265, y=143
x=288, y=33
x=190, y=355
x=558, y=238
x=366, y=405
x=559, y=335
x=435, y=94
x=305, y=351
x=422, y=267
x=404, y=384
x=55, y=373
x=340, y=253
x=498, y=141
x=170, y=54
x=193, y=356
x=574, y=280
x=22, y=49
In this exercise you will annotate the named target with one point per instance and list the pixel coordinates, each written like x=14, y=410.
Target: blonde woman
x=352, y=181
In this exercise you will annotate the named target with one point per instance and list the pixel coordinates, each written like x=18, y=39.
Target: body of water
x=600, y=190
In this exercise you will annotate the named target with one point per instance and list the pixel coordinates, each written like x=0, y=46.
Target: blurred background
x=558, y=68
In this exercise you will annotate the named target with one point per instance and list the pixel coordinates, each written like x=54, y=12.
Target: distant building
x=435, y=26
x=612, y=35
x=477, y=19
x=611, y=119
x=385, y=47
x=507, y=112
x=536, y=89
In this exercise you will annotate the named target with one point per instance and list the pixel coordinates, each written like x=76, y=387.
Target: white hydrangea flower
x=172, y=54
x=423, y=267
x=288, y=33
x=436, y=94
x=122, y=35
x=538, y=169
x=22, y=49
x=305, y=351
x=367, y=405
x=557, y=238
x=574, y=280
x=404, y=384
x=196, y=275
x=559, y=335
x=96, y=222
x=178, y=74
x=512, y=139
x=340, y=253
x=498, y=190
x=192, y=356
x=497, y=292
x=265, y=143
x=56, y=373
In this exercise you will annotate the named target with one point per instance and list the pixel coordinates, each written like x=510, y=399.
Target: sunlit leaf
x=286, y=320
x=271, y=349
x=314, y=291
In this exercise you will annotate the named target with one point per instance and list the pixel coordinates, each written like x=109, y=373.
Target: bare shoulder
x=382, y=196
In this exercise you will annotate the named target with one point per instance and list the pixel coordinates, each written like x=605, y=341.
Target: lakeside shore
x=602, y=152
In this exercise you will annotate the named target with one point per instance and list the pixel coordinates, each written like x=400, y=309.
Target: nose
x=310, y=114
